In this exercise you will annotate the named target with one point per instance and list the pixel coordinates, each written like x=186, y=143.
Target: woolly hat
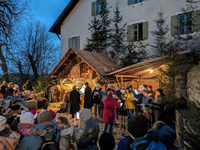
x=27, y=118
x=107, y=141
x=53, y=115
x=85, y=114
x=34, y=112
x=98, y=84
x=144, y=85
x=2, y=123
x=149, y=86
x=137, y=126
x=44, y=116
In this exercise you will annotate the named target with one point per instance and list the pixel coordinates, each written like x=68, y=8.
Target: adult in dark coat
x=117, y=95
x=158, y=105
x=10, y=89
x=88, y=99
x=49, y=92
x=74, y=100
x=27, y=86
x=4, y=91
x=96, y=94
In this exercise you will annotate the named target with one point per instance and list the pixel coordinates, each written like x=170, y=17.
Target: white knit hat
x=2, y=123
x=27, y=118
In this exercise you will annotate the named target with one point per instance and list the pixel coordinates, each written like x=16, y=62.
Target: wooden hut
x=146, y=72
x=79, y=66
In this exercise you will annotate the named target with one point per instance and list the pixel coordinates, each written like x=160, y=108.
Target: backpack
x=152, y=145
x=51, y=144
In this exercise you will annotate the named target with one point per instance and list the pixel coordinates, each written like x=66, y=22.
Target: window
x=137, y=1
x=74, y=42
x=98, y=7
x=185, y=24
x=137, y=31
x=131, y=2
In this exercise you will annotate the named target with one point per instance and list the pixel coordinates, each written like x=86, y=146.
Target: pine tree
x=105, y=32
x=159, y=47
x=93, y=42
x=99, y=28
x=118, y=35
x=134, y=53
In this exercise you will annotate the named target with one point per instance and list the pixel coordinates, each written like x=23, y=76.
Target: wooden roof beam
x=126, y=76
x=132, y=71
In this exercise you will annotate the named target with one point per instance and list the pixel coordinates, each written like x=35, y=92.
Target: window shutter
x=130, y=33
x=145, y=30
x=130, y=2
x=69, y=42
x=174, y=25
x=78, y=42
x=93, y=9
x=196, y=19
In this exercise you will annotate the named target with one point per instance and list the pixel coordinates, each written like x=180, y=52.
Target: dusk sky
x=47, y=11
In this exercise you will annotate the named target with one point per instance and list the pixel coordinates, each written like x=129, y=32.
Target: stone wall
x=193, y=84
x=193, y=93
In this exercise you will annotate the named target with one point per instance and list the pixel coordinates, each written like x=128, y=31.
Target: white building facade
x=139, y=15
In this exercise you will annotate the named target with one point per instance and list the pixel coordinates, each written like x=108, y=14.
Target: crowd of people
x=28, y=130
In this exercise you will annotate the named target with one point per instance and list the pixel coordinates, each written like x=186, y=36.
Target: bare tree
x=36, y=51
x=11, y=12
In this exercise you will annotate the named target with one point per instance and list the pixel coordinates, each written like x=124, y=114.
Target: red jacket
x=25, y=129
x=109, y=109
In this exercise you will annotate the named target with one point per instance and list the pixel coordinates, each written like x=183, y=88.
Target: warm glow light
x=150, y=70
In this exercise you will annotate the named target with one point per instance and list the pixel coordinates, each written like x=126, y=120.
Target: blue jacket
x=159, y=132
x=124, y=143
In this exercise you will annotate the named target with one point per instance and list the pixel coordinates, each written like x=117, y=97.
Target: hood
x=45, y=129
x=24, y=125
x=162, y=132
x=88, y=123
x=10, y=141
x=66, y=130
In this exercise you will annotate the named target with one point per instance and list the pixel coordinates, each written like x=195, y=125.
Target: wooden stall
x=146, y=72
x=79, y=66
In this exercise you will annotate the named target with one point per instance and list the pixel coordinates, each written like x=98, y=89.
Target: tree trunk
x=4, y=67
x=33, y=65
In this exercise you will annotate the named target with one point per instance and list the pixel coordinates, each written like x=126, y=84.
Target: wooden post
x=117, y=80
x=138, y=81
x=122, y=83
x=60, y=89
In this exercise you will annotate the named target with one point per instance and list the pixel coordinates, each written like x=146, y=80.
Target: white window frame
x=185, y=28
x=74, y=45
x=96, y=7
x=139, y=3
x=137, y=23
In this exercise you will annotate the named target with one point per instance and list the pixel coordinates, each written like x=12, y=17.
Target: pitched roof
x=96, y=61
x=139, y=68
x=55, y=28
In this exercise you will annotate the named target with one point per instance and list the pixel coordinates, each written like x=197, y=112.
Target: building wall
x=77, y=21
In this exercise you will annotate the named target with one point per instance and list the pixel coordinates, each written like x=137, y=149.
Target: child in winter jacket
x=8, y=139
x=66, y=130
x=26, y=125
